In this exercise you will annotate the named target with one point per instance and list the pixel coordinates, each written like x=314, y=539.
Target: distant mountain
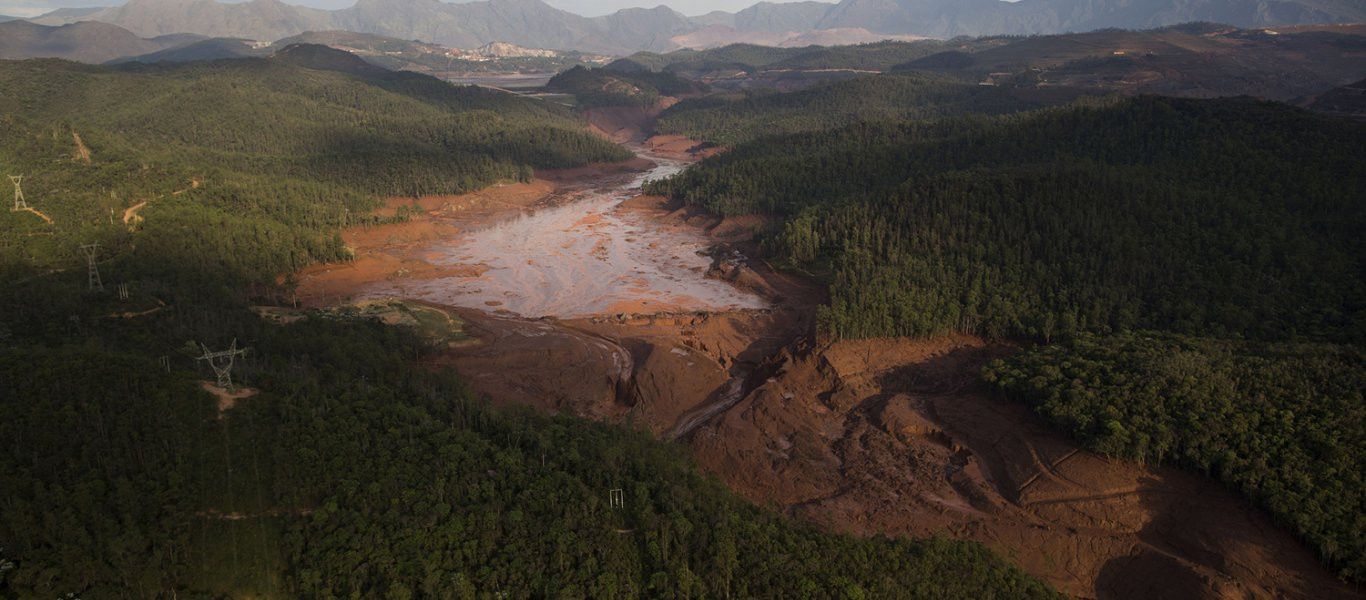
x=645, y=28
x=324, y=58
x=90, y=41
x=1348, y=100
x=949, y=18
x=784, y=17
x=717, y=36
x=4, y=19
x=210, y=49
x=529, y=23
x=535, y=24
x=256, y=20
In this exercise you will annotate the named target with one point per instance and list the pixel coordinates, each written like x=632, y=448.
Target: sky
x=587, y=8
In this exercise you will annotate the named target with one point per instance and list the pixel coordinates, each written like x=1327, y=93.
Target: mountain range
x=533, y=23
x=86, y=41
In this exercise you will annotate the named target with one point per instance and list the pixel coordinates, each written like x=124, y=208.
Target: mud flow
x=581, y=258
x=581, y=297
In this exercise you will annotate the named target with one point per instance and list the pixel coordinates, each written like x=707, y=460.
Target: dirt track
x=882, y=436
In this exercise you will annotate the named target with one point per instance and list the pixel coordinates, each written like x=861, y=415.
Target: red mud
x=897, y=437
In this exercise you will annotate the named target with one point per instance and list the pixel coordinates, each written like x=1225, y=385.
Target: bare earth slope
x=897, y=437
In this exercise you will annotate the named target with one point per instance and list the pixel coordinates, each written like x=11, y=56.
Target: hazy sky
x=588, y=8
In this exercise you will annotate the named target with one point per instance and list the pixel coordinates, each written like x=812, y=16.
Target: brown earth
x=635, y=125
x=626, y=124
x=900, y=437
x=395, y=251
x=227, y=399
x=82, y=152
x=897, y=437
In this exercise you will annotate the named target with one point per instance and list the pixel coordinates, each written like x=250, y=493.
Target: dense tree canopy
x=593, y=87
x=260, y=159
x=355, y=471
x=743, y=116
x=1283, y=423
x=1233, y=217
x=1225, y=220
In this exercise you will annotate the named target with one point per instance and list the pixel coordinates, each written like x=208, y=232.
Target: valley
x=703, y=345
x=971, y=318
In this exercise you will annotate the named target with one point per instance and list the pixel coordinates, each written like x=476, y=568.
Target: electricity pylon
x=94, y=270
x=222, y=363
x=19, y=203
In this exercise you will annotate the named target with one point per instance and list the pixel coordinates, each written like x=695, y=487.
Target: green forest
x=877, y=56
x=247, y=165
x=594, y=87
x=736, y=117
x=356, y=474
x=1230, y=227
x=356, y=471
x=1284, y=423
x=1230, y=217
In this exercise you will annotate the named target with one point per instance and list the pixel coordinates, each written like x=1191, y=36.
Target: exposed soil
x=398, y=251
x=900, y=437
x=635, y=124
x=884, y=436
x=130, y=214
x=227, y=399
x=82, y=153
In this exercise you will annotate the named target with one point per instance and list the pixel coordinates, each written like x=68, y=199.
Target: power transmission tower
x=94, y=270
x=123, y=291
x=19, y=203
x=616, y=498
x=222, y=363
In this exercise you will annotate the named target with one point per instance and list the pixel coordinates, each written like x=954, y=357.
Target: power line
x=19, y=203
x=94, y=270
x=222, y=363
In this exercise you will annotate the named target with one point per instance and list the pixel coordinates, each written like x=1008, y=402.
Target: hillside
x=466, y=25
x=282, y=150
x=1348, y=100
x=736, y=117
x=342, y=463
x=535, y=24
x=749, y=58
x=1199, y=60
x=947, y=18
x=89, y=42
x=602, y=87
x=210, y=49
x=1128, y=215
x=1193, y=60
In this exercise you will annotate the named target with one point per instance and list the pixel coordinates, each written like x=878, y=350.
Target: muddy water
x=579, y=259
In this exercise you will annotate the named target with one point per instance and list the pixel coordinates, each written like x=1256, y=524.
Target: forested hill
x=1230, y=216
x=877, y=56
x=231, y=153
x=352, y=471
x=735, y=117
x=593, y=87
x=1197, y=265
